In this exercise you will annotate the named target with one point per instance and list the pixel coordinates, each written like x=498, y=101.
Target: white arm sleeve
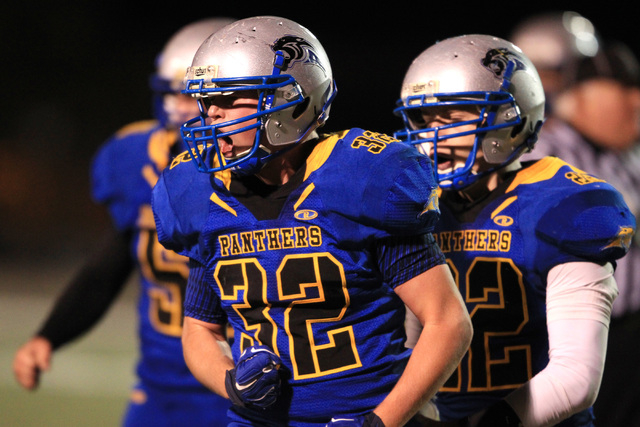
x=579, y=300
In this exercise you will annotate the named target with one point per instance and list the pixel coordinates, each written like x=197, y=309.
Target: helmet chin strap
x=253, y=164
x=261, y=157
x=473, y=177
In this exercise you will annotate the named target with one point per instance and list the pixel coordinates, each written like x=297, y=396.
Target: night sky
x=74, y=72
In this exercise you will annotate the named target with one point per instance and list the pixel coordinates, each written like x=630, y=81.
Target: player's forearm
x=579, y=301
x=435, y=356
x=91, y=292
x=569, y=383
x=206, y=354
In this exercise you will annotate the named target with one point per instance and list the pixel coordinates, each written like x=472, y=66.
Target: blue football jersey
x=306, y=283
x=500, y=253
x=124, y=171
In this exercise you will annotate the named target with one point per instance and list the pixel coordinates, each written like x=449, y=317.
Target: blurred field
x=90, y=378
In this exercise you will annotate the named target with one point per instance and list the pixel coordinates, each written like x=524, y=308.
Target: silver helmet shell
x=177, y=53
x=173, y=61
x=281, y=59
x=481, y=70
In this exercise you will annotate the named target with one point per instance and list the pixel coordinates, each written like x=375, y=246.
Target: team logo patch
x=296, y=49
x=305, y=214
x=433, y=204
x=503, y=220
x=622, y=239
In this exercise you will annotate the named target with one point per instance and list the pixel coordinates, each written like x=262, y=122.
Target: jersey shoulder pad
x=180, y=203
x=139, y=127
x=117, y=178
x=394, y=185
x=590, y=220
x=121, y=151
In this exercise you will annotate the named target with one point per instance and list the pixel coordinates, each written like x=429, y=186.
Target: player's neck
x=280, y=170
x=487, y=184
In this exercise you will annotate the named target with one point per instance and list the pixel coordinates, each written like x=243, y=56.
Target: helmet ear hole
x=300, y=108
x=515, y=130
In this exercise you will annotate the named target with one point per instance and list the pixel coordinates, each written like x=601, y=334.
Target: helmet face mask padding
x=282, y=62
x=482, y=71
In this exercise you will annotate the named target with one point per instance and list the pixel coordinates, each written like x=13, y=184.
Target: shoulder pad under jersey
x=180, y=203
x=117, y=178
x=386, y=183
x=593, y=223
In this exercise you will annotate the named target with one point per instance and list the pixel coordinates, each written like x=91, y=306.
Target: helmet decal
x=296, y=49
x=496, y=61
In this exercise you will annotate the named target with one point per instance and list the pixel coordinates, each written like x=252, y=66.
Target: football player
x=124, y=171
x=595, y=126
x=532, y=246
x=309, y=244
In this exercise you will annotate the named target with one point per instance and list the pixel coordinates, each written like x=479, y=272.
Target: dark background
x=72, y=73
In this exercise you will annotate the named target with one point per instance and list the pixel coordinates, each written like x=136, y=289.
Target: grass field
x=90, y=378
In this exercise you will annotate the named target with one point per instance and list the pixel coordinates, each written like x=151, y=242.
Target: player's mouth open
x=226, y=146
x=444, y=162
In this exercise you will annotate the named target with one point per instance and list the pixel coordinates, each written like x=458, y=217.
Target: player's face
x=227, y=107
x=452, y=152
x=179, y=108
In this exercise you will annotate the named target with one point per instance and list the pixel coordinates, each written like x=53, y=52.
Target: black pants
x=618, y=403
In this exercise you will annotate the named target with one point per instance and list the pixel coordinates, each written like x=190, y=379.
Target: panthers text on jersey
x=124, y=171
x=305, y=282
x=500, y=252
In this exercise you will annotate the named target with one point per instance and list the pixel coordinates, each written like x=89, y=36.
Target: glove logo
x=255, y=381
x=246, y=386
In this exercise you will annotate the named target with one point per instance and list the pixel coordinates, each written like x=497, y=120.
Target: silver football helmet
x=174, y=59
x=284, y=63
x=487, y=72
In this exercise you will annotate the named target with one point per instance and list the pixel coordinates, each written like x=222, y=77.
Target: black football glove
x=255, y=381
